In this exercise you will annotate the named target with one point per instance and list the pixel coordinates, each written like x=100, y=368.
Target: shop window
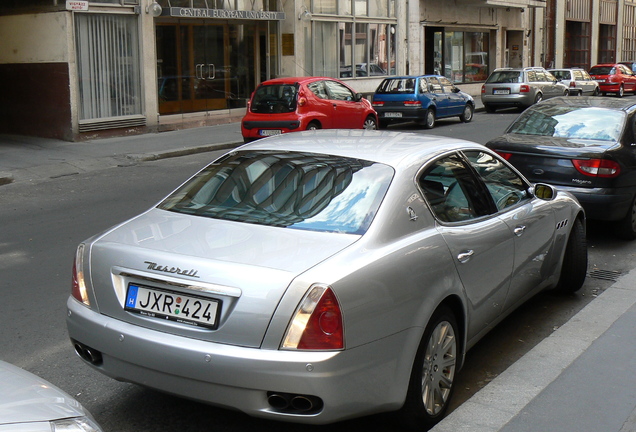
x=325, y=56
x=459, y=56
x=108, y=66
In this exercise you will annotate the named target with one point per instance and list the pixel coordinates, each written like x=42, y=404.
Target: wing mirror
x=358, y=97
x=544, y=191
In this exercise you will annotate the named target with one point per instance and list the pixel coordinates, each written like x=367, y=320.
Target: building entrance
x=205, y=65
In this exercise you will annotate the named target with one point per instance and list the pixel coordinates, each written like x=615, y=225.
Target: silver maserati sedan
x=323, y=275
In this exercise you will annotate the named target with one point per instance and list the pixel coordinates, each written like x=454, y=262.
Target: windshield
x=286, y=189
x=397, y=85
x=505, y=77
x=592, y=123
x=602, y=70
x=277, y=98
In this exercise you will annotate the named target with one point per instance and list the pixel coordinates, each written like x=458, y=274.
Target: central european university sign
x=223, y=14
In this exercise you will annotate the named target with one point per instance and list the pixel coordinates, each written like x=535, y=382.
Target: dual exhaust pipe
x=293, y=403
x=87, y=353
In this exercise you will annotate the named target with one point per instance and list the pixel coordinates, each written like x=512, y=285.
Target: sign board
x=223, y=14
x=76, y=5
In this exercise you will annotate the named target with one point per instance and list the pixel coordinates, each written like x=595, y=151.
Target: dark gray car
x=521, y=88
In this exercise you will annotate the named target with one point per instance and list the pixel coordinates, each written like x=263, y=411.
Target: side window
x=435, y=85
x=578, y=76
x=541, y=77
x=446, y=84
x=318, y=88
x=452, y=191
x=423, y=85
x=532, y=76
x=339, y=92
x=505, y=186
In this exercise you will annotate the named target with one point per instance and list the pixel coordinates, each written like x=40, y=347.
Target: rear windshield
x=586, y=123
x=277, y=98
x=286, y=189
x=603, y=70
x=397, y=85
x=505, y=77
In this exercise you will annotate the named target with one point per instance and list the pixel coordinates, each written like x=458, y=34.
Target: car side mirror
x=456, y=90
x=544, y=191
x=358, y=97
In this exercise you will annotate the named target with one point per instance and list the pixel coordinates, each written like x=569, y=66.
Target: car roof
x=294, y=80
x=414, y=76
x=388, y=147
x=591, y=101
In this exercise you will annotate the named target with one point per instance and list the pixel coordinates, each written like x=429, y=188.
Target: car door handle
x=520, y=230
x=465, y=256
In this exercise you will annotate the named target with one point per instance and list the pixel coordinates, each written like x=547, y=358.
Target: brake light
x=378, y=103
x=597, y=167
x=317, y=323
x=483, y=89
x=504, y=155
x=78, y=286
x=412, y=103
x=572, y=84
x=524, y=88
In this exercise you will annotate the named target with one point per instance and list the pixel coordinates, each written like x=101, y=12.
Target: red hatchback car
x=614, y=78
x=293, y=104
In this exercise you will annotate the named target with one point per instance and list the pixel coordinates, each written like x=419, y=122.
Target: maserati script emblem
x=174, y=270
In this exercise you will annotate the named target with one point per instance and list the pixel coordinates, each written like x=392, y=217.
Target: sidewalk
x=582, y=378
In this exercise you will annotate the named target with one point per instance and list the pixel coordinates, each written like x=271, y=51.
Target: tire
x=596, y=92
x=538, y=98
x=621, y=92
x=467, y=115
x=574, y=266
x=314, y=125
x=432, y=378
x=370, y=123
x=626, y=227
x=429, y=119
x=489, y=108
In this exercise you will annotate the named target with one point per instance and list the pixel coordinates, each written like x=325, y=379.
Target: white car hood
x=26, y=398
x=251, y=264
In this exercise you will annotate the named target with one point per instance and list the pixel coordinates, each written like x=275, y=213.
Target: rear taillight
x=78, y=288
x=572, y=84
x=317, y=323
x=412, y=103
x=377, y=103
x=483, y=89
x=524, y=88
x=597, y=167
x=504, y=155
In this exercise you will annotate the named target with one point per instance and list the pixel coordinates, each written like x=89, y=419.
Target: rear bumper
x=610, y=87
x=602, y=204
x=413, y=114
x=512, y=100
x=351, y=383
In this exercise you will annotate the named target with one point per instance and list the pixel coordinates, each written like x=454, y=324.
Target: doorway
x=205, y=65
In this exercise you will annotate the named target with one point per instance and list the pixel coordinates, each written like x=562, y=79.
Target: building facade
x=76, y=70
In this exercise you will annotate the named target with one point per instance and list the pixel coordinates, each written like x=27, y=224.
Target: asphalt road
x=43, y=223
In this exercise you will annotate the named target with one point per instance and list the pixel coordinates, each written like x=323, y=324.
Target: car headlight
x=77, y=424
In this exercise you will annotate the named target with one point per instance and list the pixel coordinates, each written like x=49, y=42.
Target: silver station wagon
x=323, y=275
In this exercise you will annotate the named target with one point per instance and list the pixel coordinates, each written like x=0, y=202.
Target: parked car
x=521, y=88
x=583, y=146
x=323, y=275
x=630, y=64
x=422, y=99
x=614, y=78
x=30, y=404
x=293, y=104
x=578, y=81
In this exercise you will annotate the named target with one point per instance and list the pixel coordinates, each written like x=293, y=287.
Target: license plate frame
x=193, y=310
x=270, y=132
x=501, y=91
x=393, y=114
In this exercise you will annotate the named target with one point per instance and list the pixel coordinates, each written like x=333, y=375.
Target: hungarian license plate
x=393, y=114
x=501, y=91
x=270, y=132
x=172, y=306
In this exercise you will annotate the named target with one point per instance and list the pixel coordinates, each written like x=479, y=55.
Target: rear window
x=603, y=70
x=286, y=189
x=397, y=85
x=277, y=98
x=585, y=123
x=500, y=77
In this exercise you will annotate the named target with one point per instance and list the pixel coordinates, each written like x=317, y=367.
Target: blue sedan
x=422, y=99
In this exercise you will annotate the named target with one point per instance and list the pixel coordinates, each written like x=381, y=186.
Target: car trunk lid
x=242, y=269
